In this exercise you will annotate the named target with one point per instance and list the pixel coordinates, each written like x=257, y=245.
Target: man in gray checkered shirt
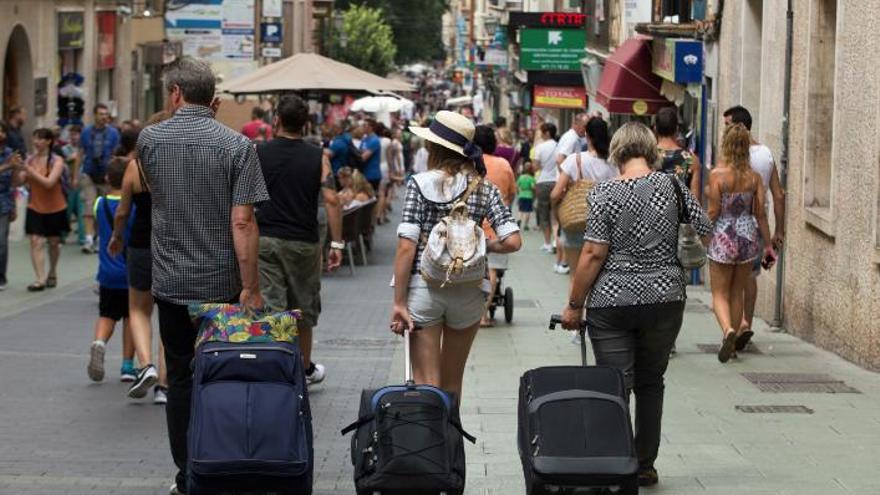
x=205, y=179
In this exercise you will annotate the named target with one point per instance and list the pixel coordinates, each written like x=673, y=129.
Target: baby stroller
x=502, y=298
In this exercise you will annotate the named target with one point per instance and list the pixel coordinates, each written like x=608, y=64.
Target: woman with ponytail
x=446, y=316
x=736, y=206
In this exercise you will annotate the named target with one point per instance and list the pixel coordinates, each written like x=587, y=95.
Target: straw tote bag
x=573, y=207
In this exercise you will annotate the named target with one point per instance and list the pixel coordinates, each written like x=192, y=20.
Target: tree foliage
x=417, y=26
x=366, y=40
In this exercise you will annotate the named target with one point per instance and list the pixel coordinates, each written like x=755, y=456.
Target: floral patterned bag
x=232, y=323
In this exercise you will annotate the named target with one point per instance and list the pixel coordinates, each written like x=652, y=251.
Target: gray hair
x=195, y=79
x=634, y=140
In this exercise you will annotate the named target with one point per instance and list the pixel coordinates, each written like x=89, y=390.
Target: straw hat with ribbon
x=453, y=131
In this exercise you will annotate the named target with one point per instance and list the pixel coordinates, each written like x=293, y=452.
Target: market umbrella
x=379, y=104
x=311, y=72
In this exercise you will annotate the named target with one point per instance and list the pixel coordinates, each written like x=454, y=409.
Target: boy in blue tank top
x=112, y=279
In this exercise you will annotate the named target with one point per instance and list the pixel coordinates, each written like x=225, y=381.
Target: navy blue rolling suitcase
x=251, y=425
x=408, y=440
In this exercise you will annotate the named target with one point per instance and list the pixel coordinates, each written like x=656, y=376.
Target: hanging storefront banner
x=678, y=60
x=70, y=30
x=560, y=97
x=214, y=29
x=106, y=40
x=552, y=49
x=199, y=28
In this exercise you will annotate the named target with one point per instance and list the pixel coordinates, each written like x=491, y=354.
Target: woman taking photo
x=446, y=318
x=47, y=208
x=631, y=280
x=590, y=165
x=736, y=205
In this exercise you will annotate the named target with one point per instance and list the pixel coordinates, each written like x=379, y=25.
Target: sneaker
x=146, y=378
x=547, y=248
x=3, y=286
x=315, y=374
x=96, y=361
x=175, y=491
x=128, y=374
x=561, y=269
x=88, y=248
x=648, y=476
x=160, y=395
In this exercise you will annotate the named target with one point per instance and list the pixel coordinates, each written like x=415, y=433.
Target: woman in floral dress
x=736, y=206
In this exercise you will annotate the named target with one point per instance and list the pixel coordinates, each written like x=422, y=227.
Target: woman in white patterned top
x=631, y=280
x=447, y=317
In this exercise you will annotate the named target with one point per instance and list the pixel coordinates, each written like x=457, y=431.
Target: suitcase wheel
x=508, y=305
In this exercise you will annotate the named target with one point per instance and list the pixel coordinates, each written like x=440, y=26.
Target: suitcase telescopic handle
x=582, y=332
x=407, y=374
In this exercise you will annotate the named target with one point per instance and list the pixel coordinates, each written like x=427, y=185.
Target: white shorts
x=453, y=306
x=498, y=261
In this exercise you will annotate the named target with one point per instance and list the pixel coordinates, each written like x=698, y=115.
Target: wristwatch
x=573, y=305
x=337, y=245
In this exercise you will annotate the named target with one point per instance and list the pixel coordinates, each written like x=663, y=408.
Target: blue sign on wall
x=270, y=32
x=688, y=61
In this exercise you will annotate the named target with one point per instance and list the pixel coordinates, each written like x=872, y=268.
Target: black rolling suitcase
x=408, y=439
x=574, y=429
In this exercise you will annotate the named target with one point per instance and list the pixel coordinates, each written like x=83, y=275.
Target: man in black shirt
x=14, y=138
x=296, y=173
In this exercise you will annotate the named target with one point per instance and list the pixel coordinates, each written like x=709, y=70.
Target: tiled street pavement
x=61, y=434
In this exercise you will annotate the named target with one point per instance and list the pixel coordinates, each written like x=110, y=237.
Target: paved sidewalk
x=708, y=446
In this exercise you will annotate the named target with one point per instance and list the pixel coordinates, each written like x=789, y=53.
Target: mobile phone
x=769, y=260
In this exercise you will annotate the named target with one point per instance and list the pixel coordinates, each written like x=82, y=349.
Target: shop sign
x=635, y=12
x=70, y=30
x=272, y=8
x=551, y=49
x=496, y=57
x=677, y=60
x=560, y=97
x=270, y=32
x=106, y=40
x=547, y=19
x=271, y=52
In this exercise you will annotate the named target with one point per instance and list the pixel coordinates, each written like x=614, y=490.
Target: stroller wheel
x=508, y=305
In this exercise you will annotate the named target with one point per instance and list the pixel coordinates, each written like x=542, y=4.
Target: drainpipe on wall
x=778, y=320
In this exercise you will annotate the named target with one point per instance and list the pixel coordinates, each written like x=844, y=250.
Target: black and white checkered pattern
x=638, y=218
x=198, y=170
x=420, y=215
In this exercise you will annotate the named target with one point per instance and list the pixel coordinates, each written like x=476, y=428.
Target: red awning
x=628, y=84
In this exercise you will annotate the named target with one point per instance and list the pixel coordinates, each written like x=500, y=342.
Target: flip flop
x=742, y=340
x=36, y=287
x=487, y=324
x=51, y=282
x=728, y=346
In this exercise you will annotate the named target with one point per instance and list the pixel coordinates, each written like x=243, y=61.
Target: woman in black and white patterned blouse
x=631, y=280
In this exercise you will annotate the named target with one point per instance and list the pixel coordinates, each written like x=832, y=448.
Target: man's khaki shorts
x=89, y=192
x=290, y=277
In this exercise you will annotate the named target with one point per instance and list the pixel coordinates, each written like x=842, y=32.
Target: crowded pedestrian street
x=65, y=435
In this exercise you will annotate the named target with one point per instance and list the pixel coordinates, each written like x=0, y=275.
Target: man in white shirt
x=763, y=163
x=574, y=139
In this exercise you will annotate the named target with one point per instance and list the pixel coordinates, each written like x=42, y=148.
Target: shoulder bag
x=691, y=252
x=572, y=209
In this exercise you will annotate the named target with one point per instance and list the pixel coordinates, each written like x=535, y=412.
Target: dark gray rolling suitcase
x=574, y=429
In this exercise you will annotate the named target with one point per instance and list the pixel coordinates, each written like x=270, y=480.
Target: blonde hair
x=735, y=149
x=633, y=140
x=505, y=136
x=359, y=184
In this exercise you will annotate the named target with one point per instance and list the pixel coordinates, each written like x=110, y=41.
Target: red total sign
x=560, y=97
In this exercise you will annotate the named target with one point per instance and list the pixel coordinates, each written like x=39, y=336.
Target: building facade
x=43, y=40
x=831, y=279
